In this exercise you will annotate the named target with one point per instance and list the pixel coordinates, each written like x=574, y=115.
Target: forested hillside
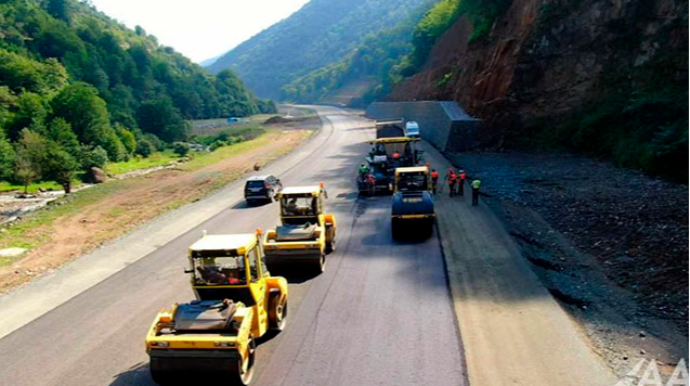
x=375, y=62
x=78, y=89
x=322, y=33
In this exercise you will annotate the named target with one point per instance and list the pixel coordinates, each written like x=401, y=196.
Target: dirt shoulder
x=609, y=243
x=76, y=224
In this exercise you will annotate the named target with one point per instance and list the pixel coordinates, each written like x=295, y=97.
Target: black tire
x=430, y=229
x=395, y=230
x=320, y=264
x=330, y=247
x=244, y=378
x=277, y=313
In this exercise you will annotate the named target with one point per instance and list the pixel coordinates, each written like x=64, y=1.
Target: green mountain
x=83, y=84
x=318, y=35
x=364, y=75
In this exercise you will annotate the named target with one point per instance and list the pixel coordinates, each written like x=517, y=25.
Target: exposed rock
x=12, y=252
x=544, y=60
x=96, y=176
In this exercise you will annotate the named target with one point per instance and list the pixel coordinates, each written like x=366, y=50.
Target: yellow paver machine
x=214, y=337
x=306, y=233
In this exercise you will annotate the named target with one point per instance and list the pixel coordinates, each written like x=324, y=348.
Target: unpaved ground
x=610, y=244
x=135, y=201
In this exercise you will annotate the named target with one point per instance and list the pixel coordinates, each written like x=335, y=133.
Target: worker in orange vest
x=452, y=178
x=371, y=184
x=461, y=181
x=434, y=179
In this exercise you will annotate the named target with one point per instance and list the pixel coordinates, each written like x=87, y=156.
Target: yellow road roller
x=237, y=301
x=306, y=233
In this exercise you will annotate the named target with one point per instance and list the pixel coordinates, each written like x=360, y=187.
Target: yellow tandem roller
x=214, y=337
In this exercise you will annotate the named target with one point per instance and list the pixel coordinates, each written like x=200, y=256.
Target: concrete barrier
x=443, y=124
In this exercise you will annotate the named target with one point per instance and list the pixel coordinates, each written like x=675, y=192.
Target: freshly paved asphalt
x=381, y=314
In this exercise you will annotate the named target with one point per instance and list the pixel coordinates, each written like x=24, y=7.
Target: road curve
x=380, y=315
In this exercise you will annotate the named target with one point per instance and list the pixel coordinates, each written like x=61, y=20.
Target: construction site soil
x=610, y=244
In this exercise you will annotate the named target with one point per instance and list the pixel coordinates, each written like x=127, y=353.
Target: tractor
x=237, y=301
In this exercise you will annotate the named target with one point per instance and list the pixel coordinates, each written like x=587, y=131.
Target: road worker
x=434, y=179
x=476, y=184
x=452, y=178
x=363, y=170
x=371, y=184
x=461, y=181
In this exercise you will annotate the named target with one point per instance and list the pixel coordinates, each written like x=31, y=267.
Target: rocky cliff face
x=545, y=61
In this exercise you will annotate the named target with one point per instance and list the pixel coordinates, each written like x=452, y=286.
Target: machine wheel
x=330, y=247
x=244, y=377
x=395, y=230
x=430, y=229
x=277, y=312
x=321, y=264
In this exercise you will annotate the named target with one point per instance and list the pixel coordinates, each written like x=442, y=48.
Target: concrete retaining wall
x=443, y=124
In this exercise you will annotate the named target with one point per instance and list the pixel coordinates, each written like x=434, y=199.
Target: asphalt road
x=381, y=314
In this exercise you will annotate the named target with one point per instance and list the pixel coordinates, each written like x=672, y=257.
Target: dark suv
x=262, y=188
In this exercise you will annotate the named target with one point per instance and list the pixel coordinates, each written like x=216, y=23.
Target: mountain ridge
x=319, y=34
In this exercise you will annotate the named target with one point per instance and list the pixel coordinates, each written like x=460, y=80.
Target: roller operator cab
x=412, y=210
x=214, y=337
x=306, y=234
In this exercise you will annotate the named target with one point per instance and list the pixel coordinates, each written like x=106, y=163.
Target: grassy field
x=33, y=188
x=27, y=233
x=138, y=163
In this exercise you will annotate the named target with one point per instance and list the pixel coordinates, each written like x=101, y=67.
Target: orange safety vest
x=452, y=178
x=396, y=155
x=462, y=176
x=434, y=174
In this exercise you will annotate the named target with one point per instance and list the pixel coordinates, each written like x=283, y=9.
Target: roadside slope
x=514, y=332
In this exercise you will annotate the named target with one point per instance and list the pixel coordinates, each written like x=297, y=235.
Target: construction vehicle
x=413, y=202
x=306, y=233
x=237, y=302
x=387, y=128
x=385, y=156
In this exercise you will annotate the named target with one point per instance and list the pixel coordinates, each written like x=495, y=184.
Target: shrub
x=181, y=148
x=94, y=157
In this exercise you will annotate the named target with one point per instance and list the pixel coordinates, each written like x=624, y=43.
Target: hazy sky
x=200, y=29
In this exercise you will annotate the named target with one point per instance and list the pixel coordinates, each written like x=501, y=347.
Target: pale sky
x=200, y=29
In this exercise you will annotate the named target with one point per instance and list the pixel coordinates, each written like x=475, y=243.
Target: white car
x=412, y=129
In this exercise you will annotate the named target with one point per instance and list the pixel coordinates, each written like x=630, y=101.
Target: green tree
x=181, y=149
x=80, y=105
x=60, y=9
x=30, y=154
x=8, y=102
x=145, y=148
x=60, y=166
x=161, y=117
x=31, y=113
x=6, y=157
x=127, y=138
x=95, y=157
x=60, y=132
